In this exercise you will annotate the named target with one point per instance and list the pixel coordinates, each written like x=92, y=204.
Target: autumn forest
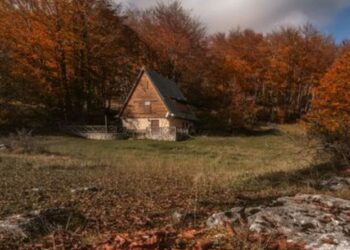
x=266, y=166
x=67, y=61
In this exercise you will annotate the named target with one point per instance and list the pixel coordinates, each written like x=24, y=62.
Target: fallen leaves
x=167, y=238
x=155, y=239
x=226, y=237
x=198, y=239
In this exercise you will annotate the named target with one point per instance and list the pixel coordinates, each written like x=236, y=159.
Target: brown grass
x=142, y=183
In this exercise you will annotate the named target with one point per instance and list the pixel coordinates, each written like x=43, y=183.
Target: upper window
x=147, y=107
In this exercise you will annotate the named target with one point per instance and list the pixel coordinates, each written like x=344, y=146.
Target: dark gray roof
x=170, y=94
x=165, y=86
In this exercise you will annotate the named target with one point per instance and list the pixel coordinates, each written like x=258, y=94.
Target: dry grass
x=141, y=183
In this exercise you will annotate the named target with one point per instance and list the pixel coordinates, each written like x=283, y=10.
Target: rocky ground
x=39, y=223
x=334, y=183
x=300, y=222
x=315, y=221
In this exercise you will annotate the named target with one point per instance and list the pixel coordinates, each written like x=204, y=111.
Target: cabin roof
x=169, y=93
x=165, y=86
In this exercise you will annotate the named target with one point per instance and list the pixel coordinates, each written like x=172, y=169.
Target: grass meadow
x=140, y=184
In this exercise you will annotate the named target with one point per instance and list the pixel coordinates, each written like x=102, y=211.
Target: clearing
x=138, y=185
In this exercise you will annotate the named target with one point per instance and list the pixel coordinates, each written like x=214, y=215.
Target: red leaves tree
x=243, y=55
x=330, y=113
x=271, y=78
x=178, y=40
x=71, y=55
x=298, y=59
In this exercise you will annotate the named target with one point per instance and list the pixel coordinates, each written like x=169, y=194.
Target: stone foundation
x=102, y=136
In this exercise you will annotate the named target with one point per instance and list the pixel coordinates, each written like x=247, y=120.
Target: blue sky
x=339, y=26
x=331, y=16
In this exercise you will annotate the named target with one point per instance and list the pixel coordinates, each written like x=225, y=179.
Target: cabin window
x=147, y=107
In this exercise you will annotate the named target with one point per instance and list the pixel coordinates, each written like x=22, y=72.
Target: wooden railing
x=91, y=129
x=94, y=132
x=183, y=131
x=113, y=132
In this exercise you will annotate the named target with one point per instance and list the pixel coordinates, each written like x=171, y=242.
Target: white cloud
x=261, y=15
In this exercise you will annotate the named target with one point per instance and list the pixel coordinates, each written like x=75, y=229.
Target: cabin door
x=155, y=126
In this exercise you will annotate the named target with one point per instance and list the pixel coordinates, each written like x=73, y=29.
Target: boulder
x=39, y=223
x=318, y=221
x=334, y=183
x=84, y=189
x=177, y=217
x=3, y=147
x=233, y=215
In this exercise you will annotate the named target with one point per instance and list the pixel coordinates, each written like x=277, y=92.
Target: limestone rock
x=319, y=221
x=335, y=183
x=38, y=223
x=234, y=216
x=177, y=217
x=84, y=189
x=3, y=147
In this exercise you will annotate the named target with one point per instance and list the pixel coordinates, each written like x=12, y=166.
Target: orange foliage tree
x=177, y=38
x=70, y=55
x=330, y=113
x=298, y=59
x=275, y=74
x=243, y=55
x=73, y=56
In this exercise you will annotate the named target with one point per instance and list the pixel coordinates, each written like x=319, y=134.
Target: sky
x=330, y=16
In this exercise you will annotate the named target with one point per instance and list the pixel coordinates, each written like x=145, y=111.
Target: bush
x=22, y=143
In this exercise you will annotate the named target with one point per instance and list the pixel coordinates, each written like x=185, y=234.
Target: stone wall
x=141, y=124
x=169, y=129
x=163, y=134
x=102, y=136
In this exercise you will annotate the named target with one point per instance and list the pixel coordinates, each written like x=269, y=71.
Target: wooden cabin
x=156, y=108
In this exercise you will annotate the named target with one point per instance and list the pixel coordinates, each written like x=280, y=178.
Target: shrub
x=22, y=142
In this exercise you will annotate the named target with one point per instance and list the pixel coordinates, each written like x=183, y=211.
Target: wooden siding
x=180, y=123
x=182, y=107
x=145, y=92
